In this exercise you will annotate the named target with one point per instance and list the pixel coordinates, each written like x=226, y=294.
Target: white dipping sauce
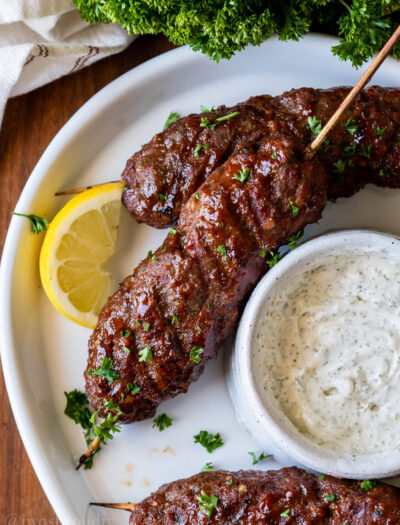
x=327, y=353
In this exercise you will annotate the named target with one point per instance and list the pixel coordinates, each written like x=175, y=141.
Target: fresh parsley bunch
x=220, y=28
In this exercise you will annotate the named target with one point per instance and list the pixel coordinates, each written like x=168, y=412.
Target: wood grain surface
x=30, y=123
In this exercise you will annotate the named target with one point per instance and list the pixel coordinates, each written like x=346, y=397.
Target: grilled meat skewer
x=364, y=148
x=169, y=318
x=288, y=495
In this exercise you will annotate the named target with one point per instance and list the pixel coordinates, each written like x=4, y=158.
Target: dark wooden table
x=30, y=123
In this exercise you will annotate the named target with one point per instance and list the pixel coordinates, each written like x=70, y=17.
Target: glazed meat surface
x=289, y=496
x=169, y=318
x=363, y=148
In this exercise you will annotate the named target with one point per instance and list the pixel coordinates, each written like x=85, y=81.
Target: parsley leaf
x=222, y=251
x=38, y=224
x=349, y=150
x=261, y=457
x=207, y=503
x=125, y=333
x=208, y=467
x=105, y=370
x=294, y=239
x=350, y=126
x=368, y=484
x=133, y=389
x=315, y=125
x=172, y=232
x=330, y=497
x=227, y=117
x=77, y=408
x=242, y=175
x=199, y=147
x=285, y=513
x=295, y=209
x=209, y=441
x=161, y=197
x=366, y=151
x=273, y=258
x=162, y=422
x=197, y=196
x=145, y=354
x=385, y=173
x=171, y=118
x=195, y=353
x=379, y=132
x=175, y=319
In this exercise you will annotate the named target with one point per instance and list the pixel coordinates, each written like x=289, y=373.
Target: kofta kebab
x=289, y=495
x=240, y=182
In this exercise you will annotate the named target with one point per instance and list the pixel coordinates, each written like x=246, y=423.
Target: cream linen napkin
x=41, y=40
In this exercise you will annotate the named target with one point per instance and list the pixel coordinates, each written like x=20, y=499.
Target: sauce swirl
x=326, y=352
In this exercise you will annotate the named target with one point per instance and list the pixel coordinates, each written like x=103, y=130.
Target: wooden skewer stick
x=74, y=191
x=120, y=506
x=380, y=57
x=89, y=453
x=315, y=145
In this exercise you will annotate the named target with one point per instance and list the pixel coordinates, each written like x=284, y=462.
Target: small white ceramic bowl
x=270, y=427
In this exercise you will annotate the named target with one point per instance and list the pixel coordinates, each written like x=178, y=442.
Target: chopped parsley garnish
x=199, y=147
x=368, y=484
x=273, y=258
x=325, y=146
x=198, y=329
x=366, y=151
x=207, y=503
x=38, y=224
x=146, y=327
x=125, y=333
x=175, y=319
x=321, y=476
x=126, y=350
x=161, y=197
x=203, y=109
x=172, y=232
x=195, y=354
x=315, y=125
x=138, y=321
x=350, y=126
x=209, y=305
x=197, y=196
x=379, y=132
x=149, y=254
x=295, y=209
x=242, y=175
x=330, y=497
x=133, y=389
x=385, y=173
x=145, y=354
x=162, y=422
x=78, y=410
x=208, y=467
x=154, y=258
x=285, y=513
x=274, y=155
x=227, y=117
x=209, y=441
x=172, y=118
x=222, y=251
x=338, y=169
x=261, y=457
x=105, y=370
x=206, y=123
x=349, y=150
x=229, y=481
x=294, y=239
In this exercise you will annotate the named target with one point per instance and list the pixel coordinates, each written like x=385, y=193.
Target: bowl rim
x=269, y=419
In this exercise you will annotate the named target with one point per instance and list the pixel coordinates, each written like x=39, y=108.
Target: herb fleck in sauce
x=326, y=352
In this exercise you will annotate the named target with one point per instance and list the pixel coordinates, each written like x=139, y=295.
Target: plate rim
x=103, y=98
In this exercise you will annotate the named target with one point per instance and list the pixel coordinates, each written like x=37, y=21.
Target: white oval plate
x=44, y=354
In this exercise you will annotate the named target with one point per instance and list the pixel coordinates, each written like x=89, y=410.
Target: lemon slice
x=79, y=242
